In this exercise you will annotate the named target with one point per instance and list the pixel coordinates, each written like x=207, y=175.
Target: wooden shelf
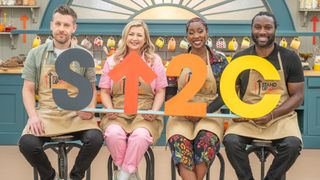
x=216, y=34
x=305, y=16
x=10, y=7
x=310, y=10
x=32, y=9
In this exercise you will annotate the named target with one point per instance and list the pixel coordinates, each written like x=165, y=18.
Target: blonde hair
x=148, y=47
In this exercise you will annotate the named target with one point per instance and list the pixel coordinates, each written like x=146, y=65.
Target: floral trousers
x=192, y=152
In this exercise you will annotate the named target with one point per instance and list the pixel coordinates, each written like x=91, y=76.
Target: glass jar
x=19, y=2
x=32, y=2
x=25, y=2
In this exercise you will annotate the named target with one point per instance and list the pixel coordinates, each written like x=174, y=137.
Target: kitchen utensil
x=159, y=42
x=233, y=44
x=24, y=20
x=171, y=44
x=49, y=39
x=36, y=42
x=295, y=43
x=184, y=44
x=221, y=43
x=111, y=42
x=98, y=41
x=209, y=42
x=245, y=43
x=283, y=43
x=2, y=26
x=74, y=40
x=86, y=43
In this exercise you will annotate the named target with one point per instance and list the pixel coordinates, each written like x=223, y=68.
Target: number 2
x=179, y=105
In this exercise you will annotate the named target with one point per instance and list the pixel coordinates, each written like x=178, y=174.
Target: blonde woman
x=129, y=136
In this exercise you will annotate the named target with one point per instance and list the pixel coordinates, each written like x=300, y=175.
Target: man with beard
x=279, y=126
x=47, y=121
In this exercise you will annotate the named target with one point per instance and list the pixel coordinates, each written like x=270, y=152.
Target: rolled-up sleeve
x=29, y=69
x=90, y=73
x=158, y=68
x=105, y=80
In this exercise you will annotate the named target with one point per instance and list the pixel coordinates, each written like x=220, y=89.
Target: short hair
x=66, y=10
x=266, y=13
x=196, y=19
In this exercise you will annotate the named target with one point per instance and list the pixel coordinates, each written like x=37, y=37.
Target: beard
x=270, y=41
x=63, y=40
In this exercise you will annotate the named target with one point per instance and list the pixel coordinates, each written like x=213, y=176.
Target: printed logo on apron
x=53, y=81
x=266, y=87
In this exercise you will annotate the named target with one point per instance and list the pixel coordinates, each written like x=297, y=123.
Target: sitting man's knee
x=293, y=144
x=94, y=136
x=29, y=142
x=231, y=140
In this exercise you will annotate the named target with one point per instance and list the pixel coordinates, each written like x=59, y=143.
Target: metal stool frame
x=62, y=147
x=149, y=157
x=222, y=169
x=262, y=149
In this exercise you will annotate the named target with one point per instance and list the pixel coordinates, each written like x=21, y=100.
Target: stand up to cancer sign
x=133, y=67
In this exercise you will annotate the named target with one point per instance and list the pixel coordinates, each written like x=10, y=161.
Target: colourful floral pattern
x=191, y=152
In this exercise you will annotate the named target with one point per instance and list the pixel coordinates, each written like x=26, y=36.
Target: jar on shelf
x=32, y=2
x=309, y=4
x=316, y=65
x=314, y=4
x=302, y=4
x=25, y=2
x=19, y=2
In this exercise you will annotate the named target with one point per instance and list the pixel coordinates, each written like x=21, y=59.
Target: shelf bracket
x=12, y=41
x=33, y=15
x=305, y=16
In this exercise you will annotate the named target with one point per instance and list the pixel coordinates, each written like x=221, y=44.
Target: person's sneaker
x=115, y=174
x=57, y=178
x=134, y=176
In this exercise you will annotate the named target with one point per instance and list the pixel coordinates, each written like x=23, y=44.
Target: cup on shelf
x=316, y=67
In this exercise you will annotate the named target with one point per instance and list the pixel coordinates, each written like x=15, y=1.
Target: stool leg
x=152, y=164
x=222, y=166
x=148, y=170
x=63, y=161
x=88, y=173
x=283, y=177
x=173, y=170
x=263, y=160
x=35, y=174
x=208, y=173
x=110, y=168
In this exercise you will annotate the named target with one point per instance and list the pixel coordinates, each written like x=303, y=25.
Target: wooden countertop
x=18, y=70
x=312, y=73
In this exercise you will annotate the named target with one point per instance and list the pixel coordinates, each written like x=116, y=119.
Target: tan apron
x=58, y=121
x=208, y=92
x=284, y=126
x=132, y=122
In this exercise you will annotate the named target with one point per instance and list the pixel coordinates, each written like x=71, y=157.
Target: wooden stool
x=149, y=157
x=262, y=149
x=222, y=169
x=62, y=145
